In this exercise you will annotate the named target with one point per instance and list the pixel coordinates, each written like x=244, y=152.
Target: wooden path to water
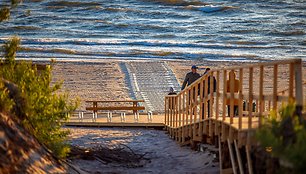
x=239, y=102
x=225, y=114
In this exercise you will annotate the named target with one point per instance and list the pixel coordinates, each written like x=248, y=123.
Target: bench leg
x=109, y=116
x=93, y=117
x=150, y=116
x=81, y=115
x=122, y=114
x=136, y=116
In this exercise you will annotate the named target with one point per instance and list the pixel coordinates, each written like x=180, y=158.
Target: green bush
x=43, y=109
x=285, y=137
x=6, y=104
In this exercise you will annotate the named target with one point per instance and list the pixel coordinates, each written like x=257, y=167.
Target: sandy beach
x=163, y=154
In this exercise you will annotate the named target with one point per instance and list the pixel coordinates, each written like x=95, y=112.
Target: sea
x=213, y=30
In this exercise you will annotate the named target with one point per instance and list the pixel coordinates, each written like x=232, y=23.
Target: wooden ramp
x=226, y=106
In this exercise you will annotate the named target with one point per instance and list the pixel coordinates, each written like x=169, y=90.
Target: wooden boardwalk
x=237, y=105
x=157, y=121
x=237, y=109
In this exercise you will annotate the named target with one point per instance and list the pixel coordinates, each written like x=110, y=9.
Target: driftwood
x=119, y=154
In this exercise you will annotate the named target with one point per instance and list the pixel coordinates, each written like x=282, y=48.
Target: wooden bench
x=133, y=107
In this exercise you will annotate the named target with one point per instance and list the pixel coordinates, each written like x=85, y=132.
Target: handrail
x=243, y=110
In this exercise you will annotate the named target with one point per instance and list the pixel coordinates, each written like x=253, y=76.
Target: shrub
x=43, y=109
x=284, y=135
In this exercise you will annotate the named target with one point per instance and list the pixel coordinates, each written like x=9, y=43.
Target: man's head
x=207, y=70
x=194, y=69
x=171, y=89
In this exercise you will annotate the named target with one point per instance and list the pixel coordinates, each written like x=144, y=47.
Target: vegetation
x=284, y=137
x=39, y=107
x=42, y=109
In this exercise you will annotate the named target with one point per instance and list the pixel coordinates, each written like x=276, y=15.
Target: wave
x=179, y=2
x=288, y=33
x=29, y=28
x=210, y=8
x=71, y=4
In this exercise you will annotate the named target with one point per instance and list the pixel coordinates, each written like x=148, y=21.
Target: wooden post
x=240, y=107
x=205, y=96
x=217, y=94
x=224, y=94
x=232, y=85
x=275, y=73
x=238, y=158
x=211, y=93
x=217, y=102
x=191, y=111
x=184, y=114
x=180, y=110
x=299, y=89
x=220, y=153
x=166, y=111
x=195, y=111
x=291, y=79
x=201, y=109
x=250, y=105
x=211, y=87
x=261, y=102
x=176, y=111
x=232, y=156
x=249, y=160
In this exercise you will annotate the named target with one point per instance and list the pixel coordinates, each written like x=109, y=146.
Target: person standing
x=232, y=77
x=191, y=77
x=214, y=83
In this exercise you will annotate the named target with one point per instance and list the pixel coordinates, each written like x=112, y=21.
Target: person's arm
x=185, y=82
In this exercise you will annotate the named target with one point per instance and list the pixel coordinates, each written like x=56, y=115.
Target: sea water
x=220, y=30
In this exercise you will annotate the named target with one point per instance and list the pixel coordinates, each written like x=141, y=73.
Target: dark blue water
x=240, y=30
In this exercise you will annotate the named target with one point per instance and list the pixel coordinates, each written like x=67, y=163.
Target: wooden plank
x=224, y=92
x=211, y=103
x=180, y=110
x=211, y=74
x=218, y=94
x=176, y=111
x=217, y=132
x=250, y=97
x=184, y=114
x=261, y=101
x=232, y=85
x=291, y=79
x=240, y=106
x=190, y=112
x=299, y=84
x=166, y=110
x=238, y=158
x=220, y=153
x=113, y=108
x=201, y=109
x=232, y=156
x=249, y=161
x=250, y=115
x=275, y=79
x=195, y=110
x=205, y=96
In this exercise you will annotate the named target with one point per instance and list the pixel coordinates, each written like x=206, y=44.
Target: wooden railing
x=259, y=90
